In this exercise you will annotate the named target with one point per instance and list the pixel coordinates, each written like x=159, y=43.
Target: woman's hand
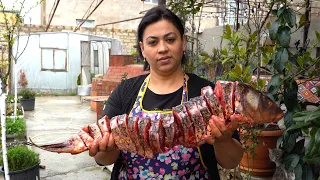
x=106, y=144
x=219, y=131
x=228, y=151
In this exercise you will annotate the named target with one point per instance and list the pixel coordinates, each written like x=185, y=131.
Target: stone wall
x=127, y=37
x=109, y=11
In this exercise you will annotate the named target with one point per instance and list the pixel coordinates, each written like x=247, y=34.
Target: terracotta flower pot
x=261, y=165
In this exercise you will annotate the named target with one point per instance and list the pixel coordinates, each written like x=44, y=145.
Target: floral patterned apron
x=177, y=163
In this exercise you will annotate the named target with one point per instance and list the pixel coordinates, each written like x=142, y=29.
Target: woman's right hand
x=105, y=145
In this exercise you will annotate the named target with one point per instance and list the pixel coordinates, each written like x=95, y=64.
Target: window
x=87, y=23
x=151, y=1
x=53, y=60
x=230, y=13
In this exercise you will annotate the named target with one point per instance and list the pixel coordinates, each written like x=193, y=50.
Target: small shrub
x=27, y=94
x=23, y=82
x=10, y=110
x=72, y=94
x=10, y=99
x=92, y=75
x=79, y=80
x=124, y=76
x=15, y=127
x=20, y=157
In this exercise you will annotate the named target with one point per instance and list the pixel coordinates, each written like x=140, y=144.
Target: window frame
x=55, y=70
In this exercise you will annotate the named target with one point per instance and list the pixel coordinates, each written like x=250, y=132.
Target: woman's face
x=163, y=47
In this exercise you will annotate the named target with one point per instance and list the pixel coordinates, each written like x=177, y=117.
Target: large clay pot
x=261, y=165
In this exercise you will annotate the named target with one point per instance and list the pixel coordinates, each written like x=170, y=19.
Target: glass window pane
x=60, y=59
x=47, y=59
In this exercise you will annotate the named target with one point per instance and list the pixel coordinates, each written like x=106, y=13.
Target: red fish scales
x=184, y=123
x=212, y=101
x=103, y=125
x=197, y=121
x=117, y=134
x=133, y=132
x=227, y=96
x=156, y=136
x=171, y=130
x=144, y=126
x=122, y=124
x=95, y=132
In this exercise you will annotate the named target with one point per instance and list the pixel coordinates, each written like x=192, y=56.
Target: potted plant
x=240, y=62
x=15, y=129
x=10, y=111
x=27, y=99
x=23, y=163
x=28, y=96
x=257, y=141
x=83, y=90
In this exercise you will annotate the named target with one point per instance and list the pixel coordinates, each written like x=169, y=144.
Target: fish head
x=254, y=106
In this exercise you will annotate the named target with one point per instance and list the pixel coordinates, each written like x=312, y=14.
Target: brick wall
x=115, y=73
x=127, y=36
x=121, y=60
x=104, y=86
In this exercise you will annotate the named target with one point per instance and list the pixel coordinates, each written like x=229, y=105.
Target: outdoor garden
x=16, y=157
x=267, y=53
x=273, y=51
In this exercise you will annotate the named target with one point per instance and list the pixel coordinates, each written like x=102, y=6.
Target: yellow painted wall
x=12, y=17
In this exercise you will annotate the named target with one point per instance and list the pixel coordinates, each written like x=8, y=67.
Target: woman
x=162, y=44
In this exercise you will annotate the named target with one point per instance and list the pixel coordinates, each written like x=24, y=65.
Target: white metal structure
x=52, y=62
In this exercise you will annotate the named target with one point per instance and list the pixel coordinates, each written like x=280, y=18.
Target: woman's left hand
x=220, y=132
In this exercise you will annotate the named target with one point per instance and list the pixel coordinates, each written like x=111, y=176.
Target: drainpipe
x=3, y=128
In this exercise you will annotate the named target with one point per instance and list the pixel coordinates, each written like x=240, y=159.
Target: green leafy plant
x=72, y=94
x=79, y=80
x=92, y=75
x=10, y=110
x=286, y=67
x=309, y=123
x=20, y=157
x=124, y=76
x=16, y=127
x=27, y=94
x=10, y=99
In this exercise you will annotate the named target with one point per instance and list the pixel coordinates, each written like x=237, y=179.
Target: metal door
x=85, y=63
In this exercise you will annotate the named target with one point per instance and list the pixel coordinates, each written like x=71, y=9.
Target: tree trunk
x=237, y=15
x=307, y=25
x=162, y=3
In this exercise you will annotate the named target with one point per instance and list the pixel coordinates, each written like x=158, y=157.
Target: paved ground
x=54, y=120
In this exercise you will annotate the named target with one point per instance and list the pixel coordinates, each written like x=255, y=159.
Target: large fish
x=186, y=125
